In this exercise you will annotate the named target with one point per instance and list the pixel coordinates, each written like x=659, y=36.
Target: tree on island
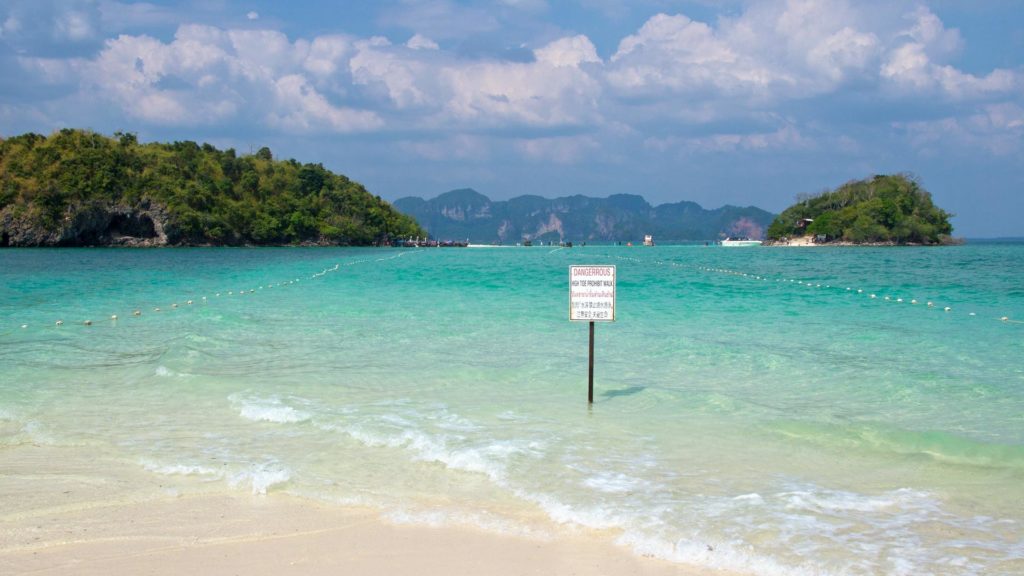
x=54, y=190
x=883, y=209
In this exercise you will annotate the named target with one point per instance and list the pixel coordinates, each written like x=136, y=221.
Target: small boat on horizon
x=739, y=242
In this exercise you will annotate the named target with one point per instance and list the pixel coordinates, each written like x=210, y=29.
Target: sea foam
x=269, y=410
x=262, y=477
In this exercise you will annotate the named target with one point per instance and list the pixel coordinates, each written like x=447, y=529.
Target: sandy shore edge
x=283, y=535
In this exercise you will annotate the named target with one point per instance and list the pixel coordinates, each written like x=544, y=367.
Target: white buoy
x=931, y=304
x=913, y=301
x=1005, y=318
x=113, y=316
x=24, y=326
x=947, y=308
x=189, y=302
x=899, y=299
x=887, y=298
x=204, y=297
x=88, y=322
x=137, y=313
x=174, y=305
x=859, y=291
x=156, y=309
x=873, y=296
x=60, y=322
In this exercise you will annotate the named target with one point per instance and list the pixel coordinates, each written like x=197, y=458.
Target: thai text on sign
x=592, y=293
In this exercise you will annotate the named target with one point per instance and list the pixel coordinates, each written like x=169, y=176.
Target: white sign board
x=592, y=293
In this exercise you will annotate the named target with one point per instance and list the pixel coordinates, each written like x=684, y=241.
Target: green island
x=79, y=188
x=884, y=209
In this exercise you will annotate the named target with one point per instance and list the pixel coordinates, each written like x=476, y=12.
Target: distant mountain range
x=467, y=214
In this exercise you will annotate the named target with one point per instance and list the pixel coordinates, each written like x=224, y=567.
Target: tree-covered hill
x=883, y=209
x=77, y=187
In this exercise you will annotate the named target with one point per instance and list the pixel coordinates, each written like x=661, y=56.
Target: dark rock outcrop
x=91, y=224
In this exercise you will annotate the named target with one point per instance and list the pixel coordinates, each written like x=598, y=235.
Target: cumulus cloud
x=568, y=52
x=671, y=73
x=552, y=91
x=797, y=49
x=207, y=75
x=997, y=129
x=915, y=65
x=420, y=42
x=74, y=26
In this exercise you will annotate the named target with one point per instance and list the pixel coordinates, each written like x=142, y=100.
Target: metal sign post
x=591, y=299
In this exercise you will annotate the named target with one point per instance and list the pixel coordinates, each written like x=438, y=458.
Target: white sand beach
x=61, y=517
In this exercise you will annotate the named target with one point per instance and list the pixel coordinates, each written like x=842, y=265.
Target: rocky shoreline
x=97, y=224
x=92, y=224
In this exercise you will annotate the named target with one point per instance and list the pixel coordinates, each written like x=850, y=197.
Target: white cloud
x=398, y=74
x=420, y=42
x=482, y=93
x=997, y=129
x=794, y=49
x=533, y=94
x=300, y=108
x=673, y=72
x=568, y=52
x=929, y=31
x=74, y=26
x=774, y=50
x=253, y=15
x=207, y=76
x=328, y=55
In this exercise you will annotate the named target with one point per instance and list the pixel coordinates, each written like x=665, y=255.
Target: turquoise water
x=750, y=412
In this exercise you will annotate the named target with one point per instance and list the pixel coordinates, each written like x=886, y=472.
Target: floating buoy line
x=205, y=300
x=809, y=284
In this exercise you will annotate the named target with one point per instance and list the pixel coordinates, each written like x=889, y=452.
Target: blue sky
x=718, y=102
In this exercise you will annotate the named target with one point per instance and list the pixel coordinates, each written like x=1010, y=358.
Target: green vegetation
x=208, y=196
x=884, y=209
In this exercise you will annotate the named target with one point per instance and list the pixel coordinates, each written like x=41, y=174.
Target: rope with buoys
x=808, y=284
x=137, y=312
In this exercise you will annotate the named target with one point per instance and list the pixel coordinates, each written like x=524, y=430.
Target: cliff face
x=467, y=214
x=92, y=224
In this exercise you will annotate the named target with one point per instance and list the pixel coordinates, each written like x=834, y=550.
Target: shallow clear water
x=750, y=413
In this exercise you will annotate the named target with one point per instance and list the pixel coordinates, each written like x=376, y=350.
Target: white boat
x=740, y=242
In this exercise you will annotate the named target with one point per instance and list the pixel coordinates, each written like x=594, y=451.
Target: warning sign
x=592, y=293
